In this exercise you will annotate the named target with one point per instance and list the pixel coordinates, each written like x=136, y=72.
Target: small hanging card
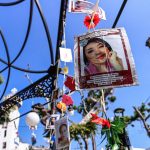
x=51, y=121
x=65, y=54
x=103, y=59
x=62, y=133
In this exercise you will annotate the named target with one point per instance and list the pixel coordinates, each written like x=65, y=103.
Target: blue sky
x=135, y=19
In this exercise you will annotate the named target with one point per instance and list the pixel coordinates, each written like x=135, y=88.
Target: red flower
x=91, y=21
x=94, y=116
x=67, y=100
x=70, y=83
x=101, y=121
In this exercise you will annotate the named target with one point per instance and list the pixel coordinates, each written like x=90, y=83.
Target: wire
x=62, y=16
x=119, y=13
x=46, y=30
x=8, y=59
x=12, y=3
x=28, y=31
x=21, y=69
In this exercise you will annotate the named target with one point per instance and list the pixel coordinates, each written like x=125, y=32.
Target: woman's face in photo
x=63, y=131
x=96, y=53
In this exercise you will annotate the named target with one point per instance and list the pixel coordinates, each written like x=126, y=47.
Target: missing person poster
x=103, y=59
x=62, y=133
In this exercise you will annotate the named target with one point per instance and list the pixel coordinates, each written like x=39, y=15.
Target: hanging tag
x=33, y=139
x=65, y=54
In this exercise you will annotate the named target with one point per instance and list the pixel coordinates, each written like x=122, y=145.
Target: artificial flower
x=65, y=70
x=101, y=121
x=91, y=21
x=61, y=106
x=67, y=100
x=70, y=83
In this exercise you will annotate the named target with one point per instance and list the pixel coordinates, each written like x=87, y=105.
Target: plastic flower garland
x=114, y=133
x=70, y=83
x=67, y=100
x=101, y=121
x=91, y=21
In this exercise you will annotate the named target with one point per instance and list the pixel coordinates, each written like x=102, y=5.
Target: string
x=82, y=99
x=28, y=78
x=64, y=44
x=91, y=22
x=103, y=101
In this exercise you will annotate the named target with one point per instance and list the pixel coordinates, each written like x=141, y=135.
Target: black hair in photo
x=95, y=40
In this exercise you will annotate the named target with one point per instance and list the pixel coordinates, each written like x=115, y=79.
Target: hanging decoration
x=95, y=110
x=65, y=70
x=112, y=67
x=70, y=83
x=101, y=121
x=33, y=138
x=71, y=110
x=65, y=54
x=51, y=121
x=61, y=106
x=115, y=133
x=95, y=13
x=32, y=119
x=67, y=100
x=62, y=133
x=91, y=21
x=84, y=6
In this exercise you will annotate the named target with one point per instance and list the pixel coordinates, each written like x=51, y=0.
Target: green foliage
x=112, y=98
x=113, y=133
x=1, y=79
x=82, y=130
x=144, y=110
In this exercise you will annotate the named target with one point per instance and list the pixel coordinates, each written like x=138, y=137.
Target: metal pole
x=62, y=16
x=119, y=13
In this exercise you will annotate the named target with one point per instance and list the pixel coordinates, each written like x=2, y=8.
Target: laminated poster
x=80, y=6
x=103, y=59
x=62, y=133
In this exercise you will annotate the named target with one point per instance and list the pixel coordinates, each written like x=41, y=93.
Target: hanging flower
x=67, y=100
x=65, y=70
x=101, y=121
x=61, y=106
x=70, y=83
x=91, y=21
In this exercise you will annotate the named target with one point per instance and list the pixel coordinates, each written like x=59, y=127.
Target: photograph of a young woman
x=99, y=57
x=63, y=138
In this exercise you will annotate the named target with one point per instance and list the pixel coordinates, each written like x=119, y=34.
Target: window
x=4, y=145
x=5, y=125
x=5, y=133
